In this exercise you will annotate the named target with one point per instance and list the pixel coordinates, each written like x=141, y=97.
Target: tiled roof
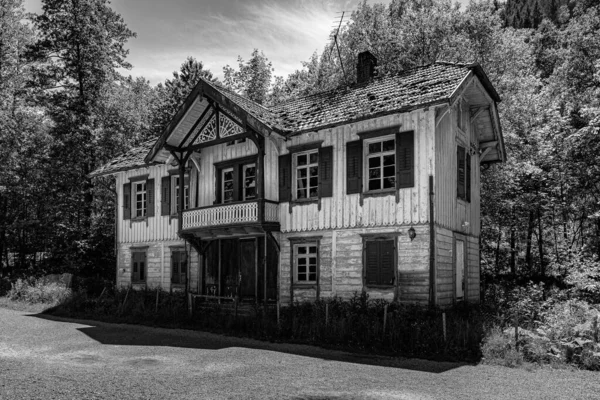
x=407, y=90
x=131, y=159
x=416, y=87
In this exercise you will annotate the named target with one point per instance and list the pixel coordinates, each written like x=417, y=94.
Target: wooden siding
x=158, y=268
x=345, y=211
x=444, y=260
x=451, y=212
x=341, y=264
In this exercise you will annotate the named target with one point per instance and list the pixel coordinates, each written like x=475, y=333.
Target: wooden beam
x=478, y=112
x=439, y=118
x=207, y=109
x=492, y=143
x=214, y=112
x=215, y=142
x=485, y=152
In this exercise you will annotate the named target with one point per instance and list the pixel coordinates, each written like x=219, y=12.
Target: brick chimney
x=365, y=68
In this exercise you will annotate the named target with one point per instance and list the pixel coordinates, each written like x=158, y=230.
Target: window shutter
x=460, y=173
x=386, y=262
x=165, y=195
x=354, y=157
x=285, y=177
x=405, y=160
x=326, y=171
x=127, y=201
x=372, y=263
x=142, y=266
x=468, y=177
x=151, y=197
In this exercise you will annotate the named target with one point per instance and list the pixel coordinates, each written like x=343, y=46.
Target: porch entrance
x=240, y=267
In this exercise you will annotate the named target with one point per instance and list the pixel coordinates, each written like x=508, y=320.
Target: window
x=236, y=180
x=249, y=189
x=178, y=267
x=306, y=175
x=175, y=191
x=381, y=161
x=140, y=199
x=463, y=174
x=138, y=266
x=459, y=272
x=306, y=262
x=380, y=155
x=379, y=261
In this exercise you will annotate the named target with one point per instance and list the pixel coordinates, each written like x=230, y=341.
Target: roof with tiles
x=131, y=159
x=410, y=89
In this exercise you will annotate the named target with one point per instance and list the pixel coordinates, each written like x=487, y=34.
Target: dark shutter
x=218, y=185
x=165, y=195
x=285, y=177
x=142, y=266
x=326, y=171
x=354, y=157
x=151, y=197
x=468, y=177
x=127, y=201
x=372, y=262
x=460, y=172
x=386, y=262
x=405, y=160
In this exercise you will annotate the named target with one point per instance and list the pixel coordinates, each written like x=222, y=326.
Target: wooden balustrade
x=256, y=211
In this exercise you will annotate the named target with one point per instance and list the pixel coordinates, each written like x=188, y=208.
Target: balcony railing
x=257, y=211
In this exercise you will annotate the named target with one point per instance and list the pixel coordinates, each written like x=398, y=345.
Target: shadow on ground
x=139, y=335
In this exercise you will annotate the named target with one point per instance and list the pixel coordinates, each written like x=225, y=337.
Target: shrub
x=35, y=292
x=499, y=349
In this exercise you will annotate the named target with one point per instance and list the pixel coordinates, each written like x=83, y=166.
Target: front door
x=248, y=268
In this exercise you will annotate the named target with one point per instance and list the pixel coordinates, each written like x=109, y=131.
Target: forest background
x=65, y=110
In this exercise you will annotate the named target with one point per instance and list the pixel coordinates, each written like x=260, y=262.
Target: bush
x=35, y=292
x=500, y=349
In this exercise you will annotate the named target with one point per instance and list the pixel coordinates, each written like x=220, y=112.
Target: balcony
x=236, y=218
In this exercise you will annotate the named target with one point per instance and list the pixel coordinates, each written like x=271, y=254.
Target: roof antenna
x=335, y=38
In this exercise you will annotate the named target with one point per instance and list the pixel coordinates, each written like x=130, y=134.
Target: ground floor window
x=306, y=262
x=379, y=261
x=138, y=266
x=178, y=267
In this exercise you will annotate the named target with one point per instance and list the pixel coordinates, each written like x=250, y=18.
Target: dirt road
x=43, y=358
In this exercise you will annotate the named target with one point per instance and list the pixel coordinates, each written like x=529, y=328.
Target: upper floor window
x=138, y=198
x=306, y=175
x=175, y=192
x=236, y=180
x=463, y=173
x=380, y=161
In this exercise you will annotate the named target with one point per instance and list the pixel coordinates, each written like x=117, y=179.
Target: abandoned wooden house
x=373, y=187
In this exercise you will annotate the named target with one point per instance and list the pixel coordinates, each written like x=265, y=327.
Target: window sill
x=380, y=193
x=139, y=219
x=380, y=286
x=463, y=201
x=312, y=285
x=140, y=283
x=305, y=201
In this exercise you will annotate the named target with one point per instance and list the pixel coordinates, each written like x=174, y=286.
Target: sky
x=216, y=32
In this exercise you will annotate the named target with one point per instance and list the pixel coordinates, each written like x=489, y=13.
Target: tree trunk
x=513, y=252
x=498, y=250
x=528, y=256
x=541, y=243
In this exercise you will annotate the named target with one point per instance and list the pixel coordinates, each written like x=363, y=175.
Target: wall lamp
x=411, y=233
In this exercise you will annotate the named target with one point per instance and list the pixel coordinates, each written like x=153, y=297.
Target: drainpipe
x=432, y=285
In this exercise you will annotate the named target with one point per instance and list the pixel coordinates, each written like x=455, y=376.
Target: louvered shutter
x=326, y=171
x=165, y=195
x=127, y=201
x=372, y=263
x=285, y=177
x=354, y=152
x=386, y=262
x=468, y=177
x=460, y=173
x=142, y=266
x=405, y=160
x=151, y=197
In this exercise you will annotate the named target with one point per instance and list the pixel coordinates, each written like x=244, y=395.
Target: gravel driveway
x=43, y=358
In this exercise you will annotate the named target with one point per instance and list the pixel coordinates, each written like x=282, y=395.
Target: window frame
x=297, y=256
x=466, y=173
x=222, y=188
x=175, y=194
x=294, y=284
x=381, y=238
x=237, y=166
x=378, y=139
x=307, y=167
x=143, y=268
x=144, y=200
